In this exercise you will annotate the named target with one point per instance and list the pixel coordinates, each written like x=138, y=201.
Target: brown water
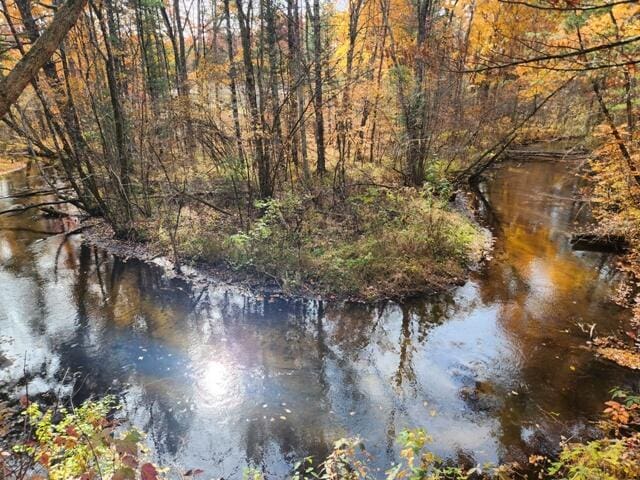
x=218, y=379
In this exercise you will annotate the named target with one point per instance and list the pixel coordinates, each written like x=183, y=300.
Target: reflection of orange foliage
x=524, y=246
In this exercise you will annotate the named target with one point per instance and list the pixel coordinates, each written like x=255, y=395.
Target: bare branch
x=558, y=56
x=567, y=9
x=28, y=66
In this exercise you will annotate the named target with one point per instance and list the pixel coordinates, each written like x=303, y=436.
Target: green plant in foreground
x=608, y=459
x=418, y=463
x=613, y=458
x=349, y=461
x=83, y=443
x=86, y=443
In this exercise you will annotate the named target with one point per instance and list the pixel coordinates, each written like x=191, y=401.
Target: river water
x=218, y=379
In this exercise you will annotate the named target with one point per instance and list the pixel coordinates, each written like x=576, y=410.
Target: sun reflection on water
x=216, y=378
x=219, y=385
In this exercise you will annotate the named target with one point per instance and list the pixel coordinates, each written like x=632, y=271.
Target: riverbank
x=615, y=195
x=377, y=244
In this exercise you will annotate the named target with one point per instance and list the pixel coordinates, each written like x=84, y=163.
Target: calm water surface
x=218, y=379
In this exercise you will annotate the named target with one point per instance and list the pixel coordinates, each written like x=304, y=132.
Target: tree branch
x=567, y=9
x=558, y=56
x=25, y=208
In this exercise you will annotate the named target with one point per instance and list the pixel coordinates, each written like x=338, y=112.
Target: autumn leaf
x=44, y=459
x=124, y=473
x=130, y=461
x=148, y=472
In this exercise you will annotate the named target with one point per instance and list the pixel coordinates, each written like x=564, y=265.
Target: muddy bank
x=99, y=234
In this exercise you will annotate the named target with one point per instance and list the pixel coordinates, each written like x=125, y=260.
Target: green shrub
x=83, y=443
x=607, y=459
x=349, y=461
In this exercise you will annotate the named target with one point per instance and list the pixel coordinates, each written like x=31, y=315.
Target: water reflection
x=220, y=380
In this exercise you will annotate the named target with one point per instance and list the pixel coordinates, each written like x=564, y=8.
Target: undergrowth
x=77, y=443
x=377, y=243
x=615, y=204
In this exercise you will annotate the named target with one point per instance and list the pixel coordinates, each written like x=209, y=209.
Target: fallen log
x=594, y=242
x=34, y=193
x=51, y=212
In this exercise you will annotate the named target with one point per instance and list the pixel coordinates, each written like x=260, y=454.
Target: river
x=218, y=379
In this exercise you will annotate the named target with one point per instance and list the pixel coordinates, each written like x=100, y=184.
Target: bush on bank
x=78, y=443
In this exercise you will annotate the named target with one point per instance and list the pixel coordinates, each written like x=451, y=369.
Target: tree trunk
x=181, y=60
x=40, y=53
x=232, y=80
x=317, y=94
x=262, y=159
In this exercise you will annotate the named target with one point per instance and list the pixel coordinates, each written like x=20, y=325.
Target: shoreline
x=96, y=232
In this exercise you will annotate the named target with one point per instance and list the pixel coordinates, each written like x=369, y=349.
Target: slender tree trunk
x=299, y=76
x=318, y=86
x=120, y=128
x=628, y=84
x=232, y=80
x=624, y=151
x=181, y=60
x=344, y=122
x=261, y=156
x=174, y=46
x=272, y=55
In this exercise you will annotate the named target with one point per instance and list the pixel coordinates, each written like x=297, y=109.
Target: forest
x=357, y=152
